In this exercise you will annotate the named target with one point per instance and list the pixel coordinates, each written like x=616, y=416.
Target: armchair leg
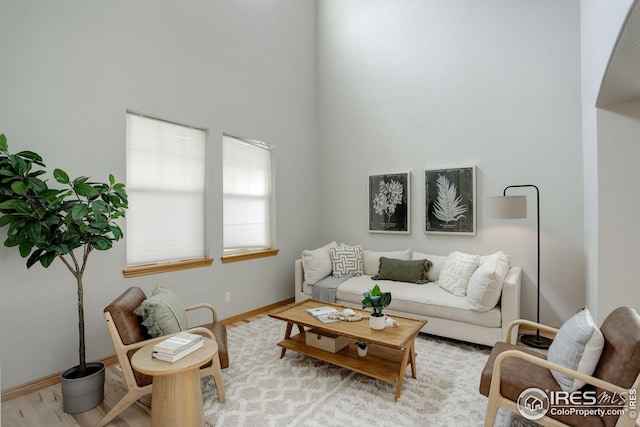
x=492, y=412
x=123, y=404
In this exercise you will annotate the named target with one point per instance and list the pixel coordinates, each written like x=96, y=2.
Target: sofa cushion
x=162, y=313
x=401, y=270
x=346, y=260
x=456, y=272
x=424, y=300
x=371, y=259
x=485, y=284
x=317, y=263
x=578, y=346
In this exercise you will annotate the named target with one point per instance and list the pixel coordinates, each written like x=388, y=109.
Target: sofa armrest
x=510, y=300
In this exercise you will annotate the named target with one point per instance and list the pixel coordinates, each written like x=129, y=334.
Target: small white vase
x=362, y=352
x=377, y=323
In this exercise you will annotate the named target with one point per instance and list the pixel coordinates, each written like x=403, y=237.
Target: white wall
x=618, y=124
x=601, y=21
x=69, y=72
x=429, y=84
x=618, y=204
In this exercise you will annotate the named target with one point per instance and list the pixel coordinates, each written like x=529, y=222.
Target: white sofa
x=448, y=315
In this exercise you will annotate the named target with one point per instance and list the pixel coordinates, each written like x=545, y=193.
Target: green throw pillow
x=401, y=270
x=162, y=313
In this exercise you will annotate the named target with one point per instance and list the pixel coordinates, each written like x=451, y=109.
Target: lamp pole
x=536, y=340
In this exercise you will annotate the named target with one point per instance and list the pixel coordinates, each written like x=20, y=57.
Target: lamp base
x=536, y=341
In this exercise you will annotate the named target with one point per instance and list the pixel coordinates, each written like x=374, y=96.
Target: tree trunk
x=83, y=364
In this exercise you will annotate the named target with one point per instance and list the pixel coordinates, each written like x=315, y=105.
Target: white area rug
x=264, y=390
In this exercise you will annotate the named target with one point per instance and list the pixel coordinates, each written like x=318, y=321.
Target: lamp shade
x=506, y=207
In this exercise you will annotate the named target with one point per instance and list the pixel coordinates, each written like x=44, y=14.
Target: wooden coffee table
x=390, y=350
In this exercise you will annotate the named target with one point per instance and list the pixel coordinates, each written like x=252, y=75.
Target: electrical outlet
x=227, y=296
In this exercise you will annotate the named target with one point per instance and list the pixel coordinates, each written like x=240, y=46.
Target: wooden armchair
x=512, y=369
x=128, y=335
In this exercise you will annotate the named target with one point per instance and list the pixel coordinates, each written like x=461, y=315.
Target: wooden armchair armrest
x=551, y=366
x=207, y=306
x=522, y=322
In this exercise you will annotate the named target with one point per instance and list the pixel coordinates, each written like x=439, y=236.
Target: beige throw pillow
x=485, y=285
x=317, y=263
x=456, y=272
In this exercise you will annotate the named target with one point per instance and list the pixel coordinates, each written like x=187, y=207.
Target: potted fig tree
x=65, y=223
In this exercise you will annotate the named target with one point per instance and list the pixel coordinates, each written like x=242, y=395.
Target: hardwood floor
x=43, y=408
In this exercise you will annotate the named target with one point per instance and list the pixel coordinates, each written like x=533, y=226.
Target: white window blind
x=165, y=184
x=247, y=188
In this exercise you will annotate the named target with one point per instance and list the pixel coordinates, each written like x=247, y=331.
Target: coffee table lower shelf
x=381, y=363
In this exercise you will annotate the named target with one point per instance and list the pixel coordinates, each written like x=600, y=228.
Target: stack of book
x=177, y=347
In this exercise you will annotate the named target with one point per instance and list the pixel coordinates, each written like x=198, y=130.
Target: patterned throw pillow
x=456, y=272
x=578, y=346
x=346, y=260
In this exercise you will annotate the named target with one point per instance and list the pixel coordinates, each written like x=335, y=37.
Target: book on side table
x=322, y=314
x=177, y=346
x=178, y=356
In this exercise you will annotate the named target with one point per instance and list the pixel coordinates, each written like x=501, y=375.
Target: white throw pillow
x=578, y=346
x=371, y=259
x=346, y=260
x=317, y=263
x=485, y=285
x=456, y=272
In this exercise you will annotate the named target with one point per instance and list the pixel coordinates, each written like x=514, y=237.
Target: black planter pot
x=79, y=394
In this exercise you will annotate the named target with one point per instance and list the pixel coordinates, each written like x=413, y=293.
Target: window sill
x=245, y=256
x=144, y=270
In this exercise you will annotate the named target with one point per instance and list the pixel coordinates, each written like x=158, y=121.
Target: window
x=247, y=203
x=165, y=183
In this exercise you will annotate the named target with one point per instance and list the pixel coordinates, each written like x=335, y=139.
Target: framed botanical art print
x=450, y=201
x=389, y=203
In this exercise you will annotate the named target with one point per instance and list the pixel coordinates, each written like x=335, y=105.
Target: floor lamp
x=513, y=207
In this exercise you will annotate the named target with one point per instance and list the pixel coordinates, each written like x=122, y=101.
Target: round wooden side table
x=176, y=399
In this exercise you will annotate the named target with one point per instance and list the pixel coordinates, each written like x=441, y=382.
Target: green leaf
x=116, y=231
x=112, y=179
x=18, y=164
x=3, y=142
x=47, y=259
x=19, y=187
x=121, y=193
x=25, y=249
x=100, y=223
x=35, y=256
x=101, y=243
x=99, y=207
x=30, y=155
x=16, y=205
x=61, y=176
x=6, y=219
x=85, y=190
x=79, y=211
